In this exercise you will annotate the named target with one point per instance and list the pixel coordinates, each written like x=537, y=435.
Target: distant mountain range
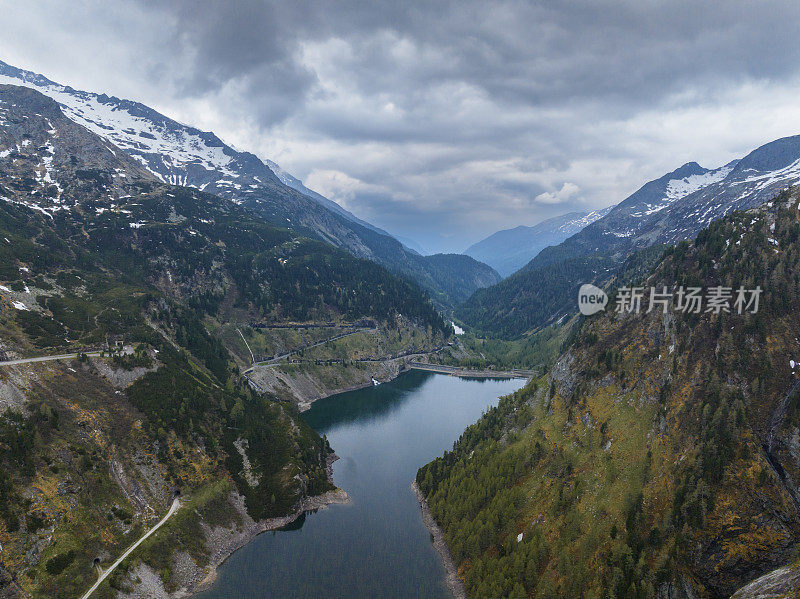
x=666, y=210
x=291, y=181
x=412, y=245
x=509, y=250
x=295, y=183
x=182, y=155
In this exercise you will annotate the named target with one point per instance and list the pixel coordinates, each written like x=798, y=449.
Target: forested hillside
x=528, y=300
x=657, y=458
x=96, y=252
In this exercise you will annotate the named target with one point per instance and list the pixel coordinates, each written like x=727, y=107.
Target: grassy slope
x=537, y=350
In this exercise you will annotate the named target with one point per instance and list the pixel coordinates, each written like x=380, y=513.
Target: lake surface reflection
x=377, y=545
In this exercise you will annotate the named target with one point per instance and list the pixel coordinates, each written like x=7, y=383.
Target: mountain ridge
x=183, y=155
x=510, y=249
x=663, y=211
x=96, y=252
x=657, y=458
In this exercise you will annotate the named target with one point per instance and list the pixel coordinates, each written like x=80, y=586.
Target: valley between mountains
x=197, y=300
x=97, y=254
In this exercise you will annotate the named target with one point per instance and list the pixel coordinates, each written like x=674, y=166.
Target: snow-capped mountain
x=48, y=161
x=666, y=210
x=174, y=152
x=751, y=181
x=679, y=204
x=574, y=224
x=661, y=194
x=509, y=250
x=183, y=155
x=634, y=215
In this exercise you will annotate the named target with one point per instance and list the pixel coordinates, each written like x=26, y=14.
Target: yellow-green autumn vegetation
x=639, y=464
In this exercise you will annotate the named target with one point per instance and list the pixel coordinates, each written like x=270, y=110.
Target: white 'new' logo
x=591, y=299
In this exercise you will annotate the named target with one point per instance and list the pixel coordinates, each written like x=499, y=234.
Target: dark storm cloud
x=247, y=42
x=449, y=119
x=517, y=51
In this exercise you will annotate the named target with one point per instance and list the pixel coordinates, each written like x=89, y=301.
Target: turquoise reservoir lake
x=376, y=546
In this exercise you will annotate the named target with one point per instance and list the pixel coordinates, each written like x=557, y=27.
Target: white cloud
x=339, y=186
x=567, y=191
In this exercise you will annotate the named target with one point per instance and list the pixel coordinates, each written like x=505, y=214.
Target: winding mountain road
x=252, y=357
x=277, y=359
x=173, y=508
x=92, y=354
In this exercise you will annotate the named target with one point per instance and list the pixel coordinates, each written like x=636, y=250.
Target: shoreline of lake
x=252, y=529
x=452, y=579
x=383, y=545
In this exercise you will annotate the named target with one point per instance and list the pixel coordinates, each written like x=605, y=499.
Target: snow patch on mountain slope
x=573, y=226
x=789, y=174
x=139, y=136
x=46, y=174
x=680, y=188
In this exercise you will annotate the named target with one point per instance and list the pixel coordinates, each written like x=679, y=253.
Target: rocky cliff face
x=782, y=583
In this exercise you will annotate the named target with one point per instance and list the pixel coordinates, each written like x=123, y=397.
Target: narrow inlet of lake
x=377, y=545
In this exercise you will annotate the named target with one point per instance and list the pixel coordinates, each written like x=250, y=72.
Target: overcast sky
x=442, y=122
